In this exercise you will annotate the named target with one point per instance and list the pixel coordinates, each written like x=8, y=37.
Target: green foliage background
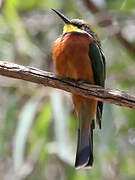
x=38, y=129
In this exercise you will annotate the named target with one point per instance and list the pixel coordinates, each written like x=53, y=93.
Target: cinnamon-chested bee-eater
x=77, y=54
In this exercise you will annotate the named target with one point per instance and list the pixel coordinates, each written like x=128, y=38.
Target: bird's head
x=77, y=25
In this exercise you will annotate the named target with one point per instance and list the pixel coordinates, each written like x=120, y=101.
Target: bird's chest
x=71, y=58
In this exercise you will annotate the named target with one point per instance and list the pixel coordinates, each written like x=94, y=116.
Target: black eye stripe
x=78, y=25
x=82, y=26
x=85, y=28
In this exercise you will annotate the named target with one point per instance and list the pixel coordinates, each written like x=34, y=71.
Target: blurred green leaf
x=27, y=5
x=73, y=126
x=26, y=118
x=37, y=4
x=43, y=120
x=129, y=5
x=8, y=126
x=40, y=131
x=122, y=5
x=48, y=4
x=41, y=125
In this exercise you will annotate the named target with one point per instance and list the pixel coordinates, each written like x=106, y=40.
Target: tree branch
x=31, y=74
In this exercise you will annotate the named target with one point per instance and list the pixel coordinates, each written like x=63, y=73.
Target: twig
x=94, y=9
x=31, y=74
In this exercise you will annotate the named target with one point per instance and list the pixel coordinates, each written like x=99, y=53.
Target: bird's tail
x=84, y=155
x=85, y=110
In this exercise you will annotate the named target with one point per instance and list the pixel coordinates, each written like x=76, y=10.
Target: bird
x=77, y=54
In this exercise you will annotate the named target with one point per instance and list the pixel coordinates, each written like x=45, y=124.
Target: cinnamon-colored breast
x=71, y=56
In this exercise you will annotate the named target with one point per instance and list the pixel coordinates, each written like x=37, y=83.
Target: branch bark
x=31, y=74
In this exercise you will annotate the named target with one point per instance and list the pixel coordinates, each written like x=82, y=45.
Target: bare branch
x=31, y=74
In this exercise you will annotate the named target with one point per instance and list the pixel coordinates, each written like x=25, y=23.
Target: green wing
x=98, y=65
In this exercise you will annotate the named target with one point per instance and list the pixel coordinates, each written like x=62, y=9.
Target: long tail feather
x=85, y=110
x=90, y=163
x=84, y=156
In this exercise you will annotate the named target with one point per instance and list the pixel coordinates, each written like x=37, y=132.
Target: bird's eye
x=83, y=27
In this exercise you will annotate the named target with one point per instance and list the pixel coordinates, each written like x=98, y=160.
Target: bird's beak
x=64, y=18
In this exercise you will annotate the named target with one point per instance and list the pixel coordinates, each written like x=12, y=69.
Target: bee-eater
x=77, y=54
